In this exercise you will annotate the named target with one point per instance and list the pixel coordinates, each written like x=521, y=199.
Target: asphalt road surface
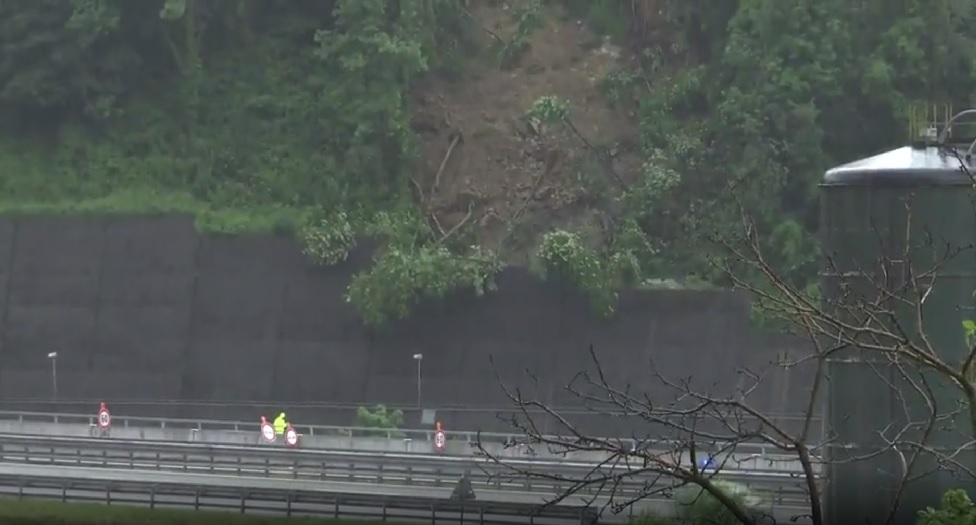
x=783, y=513
x=298, y=509
x=340, y=472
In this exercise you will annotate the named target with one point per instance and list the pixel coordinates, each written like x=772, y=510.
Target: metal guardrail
x=759, y=450
x=779, y=488
x=288, y=502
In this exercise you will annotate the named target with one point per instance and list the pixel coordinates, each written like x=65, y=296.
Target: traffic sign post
x=267, y=431
x=104, y=418
x=291, y=437
x=440, y=438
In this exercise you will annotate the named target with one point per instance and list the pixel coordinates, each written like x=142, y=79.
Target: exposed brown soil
x=507, y=177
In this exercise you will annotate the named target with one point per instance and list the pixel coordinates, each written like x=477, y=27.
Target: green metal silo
x=887, y=221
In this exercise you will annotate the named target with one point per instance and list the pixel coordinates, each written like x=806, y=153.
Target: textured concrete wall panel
x=230, y=369
x=53, y=292
x=786, y=389
x=52, y=306
x=465, y=340
x=69, y=245
x=123, y=331
x=314, y=305
x=115, y=384
x=236, y=318
x=151, y=369
x=240, y=289
x=145, y=308
x=36, y=383
x=145, y=313
x=8, y=232
x=336, y=371
x=161, y=245
x=324, y=351
x=7, y=236
x=34, y=332
x=148, y=290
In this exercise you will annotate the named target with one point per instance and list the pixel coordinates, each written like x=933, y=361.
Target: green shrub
x=691, y=505
x=956, y=509
x=381, y=418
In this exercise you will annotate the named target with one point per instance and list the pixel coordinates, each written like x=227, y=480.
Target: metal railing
x=288, y=502
x=779, y=488
x=758, y=450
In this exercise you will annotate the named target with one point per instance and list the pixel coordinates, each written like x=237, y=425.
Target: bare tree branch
x=875, y=315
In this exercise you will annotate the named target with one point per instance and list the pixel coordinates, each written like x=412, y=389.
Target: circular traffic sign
x=291, y=437
x=440, y=440
x=267, y=432
x=104, y=418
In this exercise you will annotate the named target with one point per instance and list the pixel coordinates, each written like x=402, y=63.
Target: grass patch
x=40, y=512
x=209, y=219
x=604, y=17
x=255, y=159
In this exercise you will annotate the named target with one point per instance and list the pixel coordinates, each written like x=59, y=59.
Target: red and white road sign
x=104, y=417
x=440, y=440
x=267, y=432
x=291, y=437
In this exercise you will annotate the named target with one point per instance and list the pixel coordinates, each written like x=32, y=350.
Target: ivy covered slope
x=590, y=139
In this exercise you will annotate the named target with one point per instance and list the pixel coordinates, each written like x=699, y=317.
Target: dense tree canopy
x=295, y=115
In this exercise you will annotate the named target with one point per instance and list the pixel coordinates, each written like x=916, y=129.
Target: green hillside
x=591, y=139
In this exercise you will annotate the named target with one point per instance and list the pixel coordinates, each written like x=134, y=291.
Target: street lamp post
x=53, y=356
x=419, y=358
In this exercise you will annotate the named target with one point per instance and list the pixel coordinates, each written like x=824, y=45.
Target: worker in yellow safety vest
x=280, y=424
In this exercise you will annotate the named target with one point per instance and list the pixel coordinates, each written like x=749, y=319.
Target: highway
x=108, y=467
x=354, y=467
x=332, y=437
x=369, y=476
x=340, y=417
x=358, y=495
x=358, y=474
x=220, y=480
x=120, y=478
x=769, y=486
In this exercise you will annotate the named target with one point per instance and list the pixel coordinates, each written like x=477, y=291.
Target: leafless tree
x=877, y=319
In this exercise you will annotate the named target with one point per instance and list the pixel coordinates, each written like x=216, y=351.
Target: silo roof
x=907, y=165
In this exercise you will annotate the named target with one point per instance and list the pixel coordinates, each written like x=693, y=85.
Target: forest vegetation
x=594, y=140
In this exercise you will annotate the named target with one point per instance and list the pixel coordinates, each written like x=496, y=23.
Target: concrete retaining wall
x=146, y=308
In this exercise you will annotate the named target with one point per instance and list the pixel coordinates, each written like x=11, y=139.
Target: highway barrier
x=519, y=475
x=288, y=502
x=757, y=450
x=495, y=418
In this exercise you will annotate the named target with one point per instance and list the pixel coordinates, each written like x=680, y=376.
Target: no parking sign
x=291, y=437
x=104, y=417
x=267, y=431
